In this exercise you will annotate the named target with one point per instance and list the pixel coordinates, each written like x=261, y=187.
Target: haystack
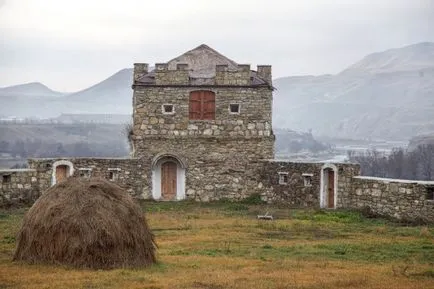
x=87, y=224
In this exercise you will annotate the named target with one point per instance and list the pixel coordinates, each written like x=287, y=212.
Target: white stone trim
x=281, y=179
x=156, y=177
x=114, y=169
x=323, y=192
x=167, y=104
x=239, y=108
x=69, y=172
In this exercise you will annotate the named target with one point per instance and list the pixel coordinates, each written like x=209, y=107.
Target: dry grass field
x=223, y=245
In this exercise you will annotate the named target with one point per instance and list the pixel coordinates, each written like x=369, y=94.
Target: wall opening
x=429, y=194
x=61, y=171
x=329, y=184
x=168, y=179
x=283, y=178
x=6, y=179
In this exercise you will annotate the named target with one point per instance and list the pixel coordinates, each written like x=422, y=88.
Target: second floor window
x=202, y=105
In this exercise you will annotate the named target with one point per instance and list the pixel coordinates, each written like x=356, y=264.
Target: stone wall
x=303, y=182
x=18, y=187
x=400, y=199
x=126, y=172
x=220, y=155
x=253, y=121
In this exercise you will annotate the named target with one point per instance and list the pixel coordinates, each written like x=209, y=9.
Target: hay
x=86, y=224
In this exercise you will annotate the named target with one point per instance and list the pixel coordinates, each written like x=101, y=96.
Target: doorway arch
x=168, y=178
x=61, y=170
x=329, y=186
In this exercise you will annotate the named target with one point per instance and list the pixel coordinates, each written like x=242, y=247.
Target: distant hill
x=29, y=89
x=112, y=95
x=30, y=100
x=410, y=58
x=387, y=95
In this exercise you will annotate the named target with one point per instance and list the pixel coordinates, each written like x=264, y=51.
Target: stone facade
x=302, y=186
x=215, y=153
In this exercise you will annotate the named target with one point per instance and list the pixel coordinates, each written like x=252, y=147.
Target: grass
x=223, y=245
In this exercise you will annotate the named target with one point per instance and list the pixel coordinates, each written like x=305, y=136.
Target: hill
x=387, y=95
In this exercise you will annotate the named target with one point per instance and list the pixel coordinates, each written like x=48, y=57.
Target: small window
x=430, y=193
x=6, y=179
x=85, y=173
x=48, y=166
x=234, y=108
x=114, y=174
x=168, y=109
x=307, y=178
x=283, y=178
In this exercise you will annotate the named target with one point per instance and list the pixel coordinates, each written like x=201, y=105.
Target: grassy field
x=223, y=245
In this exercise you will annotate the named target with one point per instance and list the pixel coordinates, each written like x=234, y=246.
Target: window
x=234, y=108
x=307, y=178
x=167, y=109
x=283, y=178
x=6, y=179
x=430, y=193
x=85, y=173
x=114, y=174
x=202, y=105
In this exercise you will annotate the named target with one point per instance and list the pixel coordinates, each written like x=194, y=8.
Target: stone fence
x=18, y=187
x=405, y=200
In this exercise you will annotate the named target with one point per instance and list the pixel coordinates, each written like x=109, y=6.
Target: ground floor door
x=330, y=189
x=61, y=173
x=168, y=181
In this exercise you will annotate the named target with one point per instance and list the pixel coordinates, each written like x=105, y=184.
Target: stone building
x=200, y=120
x=202, y=130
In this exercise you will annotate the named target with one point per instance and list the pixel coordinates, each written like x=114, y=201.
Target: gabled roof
x=202, y=62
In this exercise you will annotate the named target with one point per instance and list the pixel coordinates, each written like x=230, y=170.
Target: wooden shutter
x=208, y=105
x=195, y=105
x=202, y=105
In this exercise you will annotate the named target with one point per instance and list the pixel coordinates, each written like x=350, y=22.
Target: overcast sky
x=70, y=45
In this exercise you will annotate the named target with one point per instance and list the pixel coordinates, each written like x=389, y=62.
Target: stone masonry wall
x=18, y=187
x=220, y=155
x=253, y=121
x=400, y=199
x=128, y=173
x=302, y=188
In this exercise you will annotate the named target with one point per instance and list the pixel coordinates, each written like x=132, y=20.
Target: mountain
x=29, y=100
x=387, y=95
x=29, y=89
x=112, y=95
x=413, y=57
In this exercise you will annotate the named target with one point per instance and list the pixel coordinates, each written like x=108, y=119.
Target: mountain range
x=386, y=95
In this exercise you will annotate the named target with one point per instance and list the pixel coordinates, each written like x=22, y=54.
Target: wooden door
x=61, y=173
x=331, y=189
x=168, y=180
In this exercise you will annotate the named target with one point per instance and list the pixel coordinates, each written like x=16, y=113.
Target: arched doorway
x=328, y=194
x=61, y=171
x=168, y=178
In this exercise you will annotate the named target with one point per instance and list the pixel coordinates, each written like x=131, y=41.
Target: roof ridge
x=204, y=46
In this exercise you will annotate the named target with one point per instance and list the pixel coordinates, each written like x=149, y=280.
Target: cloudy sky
x=70, y=45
